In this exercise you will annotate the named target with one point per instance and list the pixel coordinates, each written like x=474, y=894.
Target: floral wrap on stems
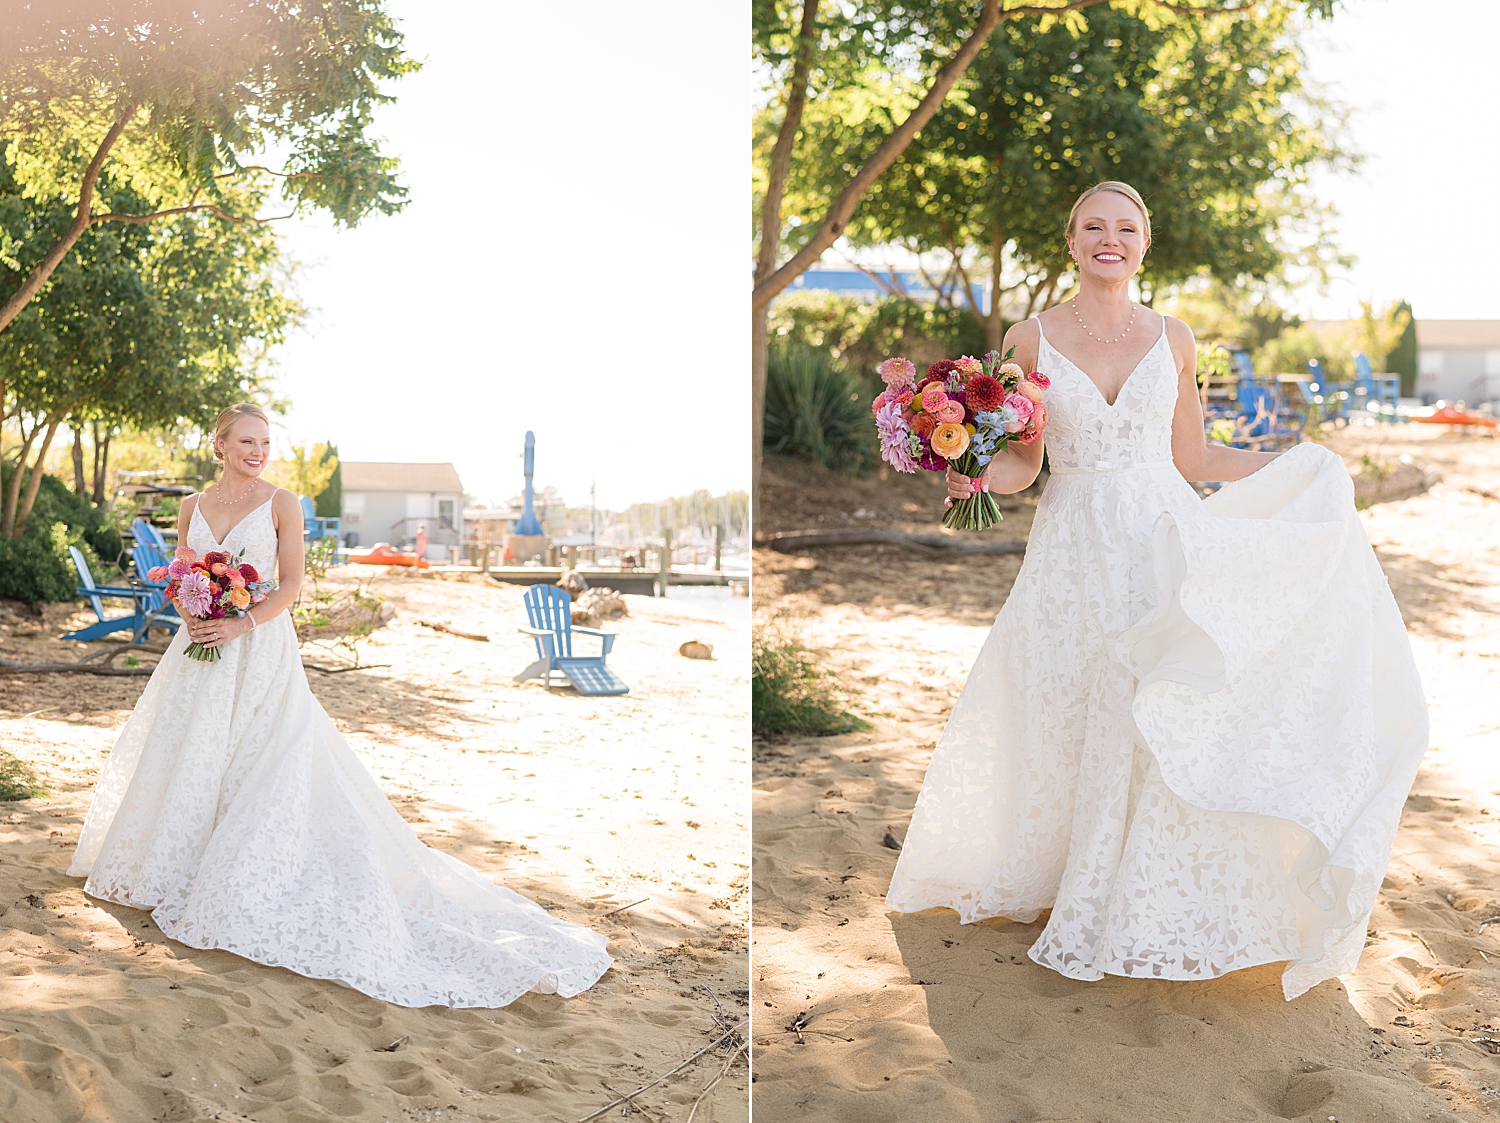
x=212, y=587
x=961, y=415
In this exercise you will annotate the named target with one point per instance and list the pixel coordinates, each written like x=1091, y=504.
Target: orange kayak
x=383, y=553
x=1450, y=416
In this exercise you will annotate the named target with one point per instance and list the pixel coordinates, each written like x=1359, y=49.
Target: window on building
x=445, y=514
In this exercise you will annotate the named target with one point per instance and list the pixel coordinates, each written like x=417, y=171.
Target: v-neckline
x=198, y=510
x=1120, y=393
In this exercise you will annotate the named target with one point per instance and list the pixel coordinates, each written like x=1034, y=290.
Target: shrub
x=36, y=567
x=790, y=692
x=816, y=411
x=17, y=780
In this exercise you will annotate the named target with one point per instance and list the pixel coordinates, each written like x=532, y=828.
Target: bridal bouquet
x=210, y=588
x=962, y=413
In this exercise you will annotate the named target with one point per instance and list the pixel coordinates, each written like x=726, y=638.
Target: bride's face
x=1109, y=238
x=246, y=448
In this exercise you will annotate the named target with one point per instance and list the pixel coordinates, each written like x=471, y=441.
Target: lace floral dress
x=235, y=811
x=1192, y=728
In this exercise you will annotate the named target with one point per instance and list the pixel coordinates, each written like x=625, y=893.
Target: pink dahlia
x=897, y=373
x=1037, y=378
x=934, y=397
x=968, y=366
x=893, y=438
x=194, y=593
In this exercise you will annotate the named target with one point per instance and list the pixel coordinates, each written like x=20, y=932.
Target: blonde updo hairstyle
x=1118, y=188
x=226, y=419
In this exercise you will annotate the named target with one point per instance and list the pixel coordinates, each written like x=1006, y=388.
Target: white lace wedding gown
x=1192, y=728
x=234, y=809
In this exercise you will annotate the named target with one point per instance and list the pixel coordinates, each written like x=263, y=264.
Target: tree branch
x=833, y=224
x=192, y=208
x=81, y=220
x=781, y=155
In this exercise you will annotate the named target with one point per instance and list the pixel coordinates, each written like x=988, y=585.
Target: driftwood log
x=929, y=545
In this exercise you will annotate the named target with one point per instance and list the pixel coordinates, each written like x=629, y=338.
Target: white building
x=388, y=502
x=1458, y=360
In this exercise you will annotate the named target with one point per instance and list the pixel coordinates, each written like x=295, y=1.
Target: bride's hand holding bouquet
x=957, y=419
x=214, y=595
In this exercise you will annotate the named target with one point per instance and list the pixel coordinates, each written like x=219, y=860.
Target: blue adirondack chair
x=96, y=595
x=550, y=618
x=154, y=609
x=145, y=532
x=1385, y=390
x=314, y=528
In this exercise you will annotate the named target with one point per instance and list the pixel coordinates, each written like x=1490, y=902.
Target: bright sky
x=1420, y=83
x=571, y=262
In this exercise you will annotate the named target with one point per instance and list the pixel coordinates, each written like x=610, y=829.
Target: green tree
x=905, y=58
x=180, y=97
x=150, y=325
x=1205, y=114
x=329, y=503
x=1402, y=359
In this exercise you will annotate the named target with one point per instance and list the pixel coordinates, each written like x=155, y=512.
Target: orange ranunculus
x=218, y=569
x=950, y=440
x=923, y=424
x=239, y=597
x=214, y=588
x=236, y=581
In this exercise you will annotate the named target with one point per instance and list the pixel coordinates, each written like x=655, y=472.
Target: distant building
x=388, y=502
x=1458, y=359
x=861, y=285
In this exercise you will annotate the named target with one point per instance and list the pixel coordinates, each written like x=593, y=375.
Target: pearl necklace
x=219, y=495
x=1074, y=305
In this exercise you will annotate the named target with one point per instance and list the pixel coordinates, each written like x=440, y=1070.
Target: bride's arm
x=1017, y=467
x=290, y=557
x=1194, y=456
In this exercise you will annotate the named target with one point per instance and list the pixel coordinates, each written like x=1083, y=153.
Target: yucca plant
x=817, y=411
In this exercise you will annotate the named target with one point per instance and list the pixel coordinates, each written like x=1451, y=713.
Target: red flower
x=249, y=572
x=984, y=393
x=940, y=370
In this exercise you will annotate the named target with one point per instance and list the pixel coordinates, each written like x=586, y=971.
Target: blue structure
x=528, y=522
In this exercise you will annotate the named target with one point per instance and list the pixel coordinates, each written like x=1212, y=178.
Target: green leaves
x=210, y=89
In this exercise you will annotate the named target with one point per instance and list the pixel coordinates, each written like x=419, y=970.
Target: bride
x=235, y=811
x=1192, y=728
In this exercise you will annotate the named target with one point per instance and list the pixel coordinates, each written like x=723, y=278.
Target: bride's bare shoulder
x=1026, y=337
x=1180, y=339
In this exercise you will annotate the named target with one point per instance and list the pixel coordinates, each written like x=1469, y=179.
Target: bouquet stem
x=979, y=511
x=201, y=653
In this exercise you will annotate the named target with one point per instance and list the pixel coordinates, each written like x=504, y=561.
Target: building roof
x=367, y=475
x=1459, y=335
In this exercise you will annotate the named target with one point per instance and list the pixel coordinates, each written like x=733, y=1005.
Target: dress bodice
x=255, y=534
x=1086, y=433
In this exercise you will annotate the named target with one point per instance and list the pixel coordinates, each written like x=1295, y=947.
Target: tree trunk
x=770, y=238
x=81, y=221
x=12, y=497
x=80, y=485
x=100, y=451
x=759, y=327
x=994, y=325
x=34, y=484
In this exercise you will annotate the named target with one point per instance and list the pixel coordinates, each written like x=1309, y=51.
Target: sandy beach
x=904, y=1017
x=583, y=804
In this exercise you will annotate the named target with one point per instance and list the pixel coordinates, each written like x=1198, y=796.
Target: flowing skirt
x=1189, y=734
x=235, y=811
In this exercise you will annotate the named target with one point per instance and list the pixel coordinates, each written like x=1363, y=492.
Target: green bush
x=790, y=692
x=817, y=411
x=36, y=567
x=17, y=780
